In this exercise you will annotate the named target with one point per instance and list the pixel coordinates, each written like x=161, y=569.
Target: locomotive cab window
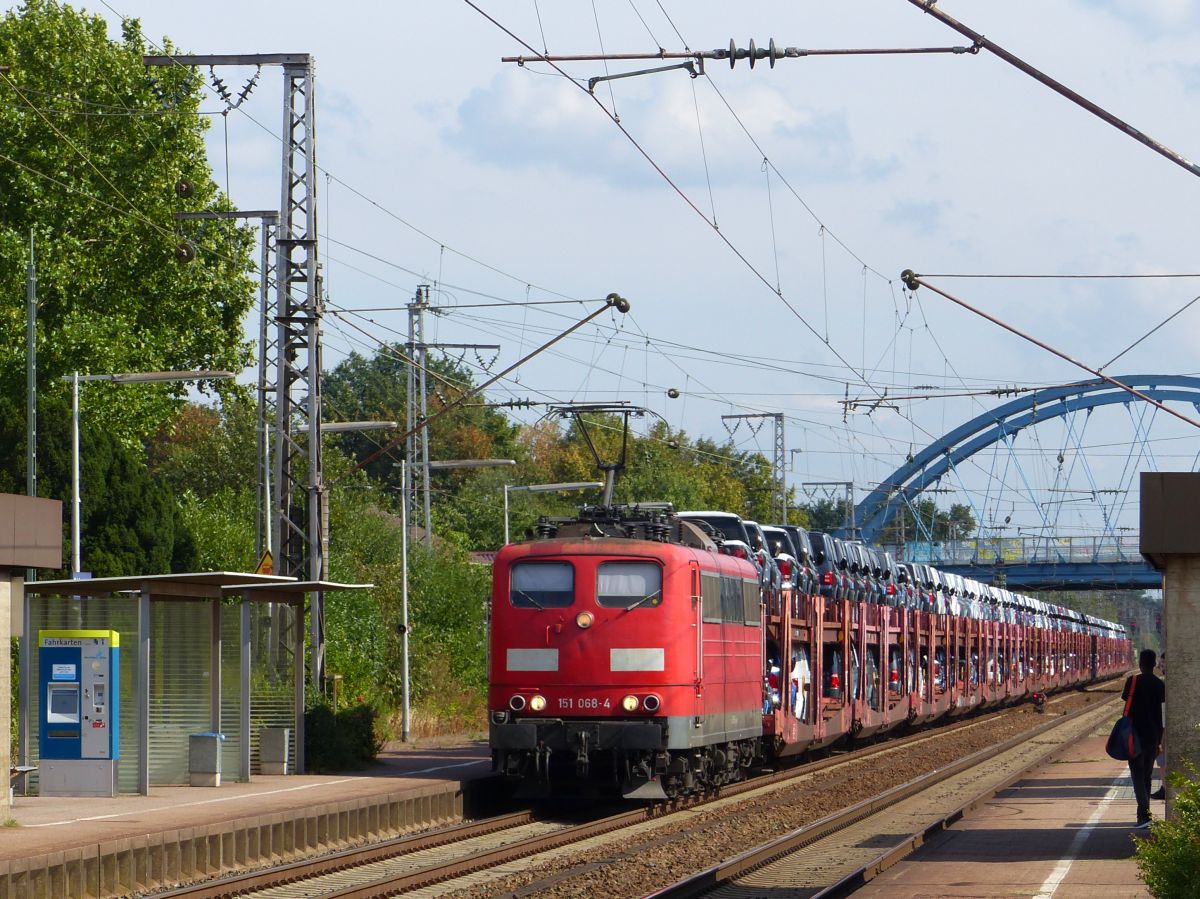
x=542, y=585
x=629, y=585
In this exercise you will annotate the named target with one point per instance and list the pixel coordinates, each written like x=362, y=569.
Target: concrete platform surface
x=1064, y=832
x=49, y=824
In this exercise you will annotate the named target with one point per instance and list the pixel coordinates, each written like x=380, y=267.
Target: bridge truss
x=998, y=428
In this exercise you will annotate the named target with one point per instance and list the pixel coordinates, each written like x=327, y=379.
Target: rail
x=852, y=875
x=407, y=863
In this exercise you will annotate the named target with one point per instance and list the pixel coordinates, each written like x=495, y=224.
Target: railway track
x=840, y=853
x=478, y=858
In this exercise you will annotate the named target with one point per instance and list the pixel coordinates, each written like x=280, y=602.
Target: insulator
x=219, y=86
x=184, y=188
x=184, y=252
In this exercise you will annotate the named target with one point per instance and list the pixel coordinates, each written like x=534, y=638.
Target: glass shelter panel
x=272, y=675
x=181, y=678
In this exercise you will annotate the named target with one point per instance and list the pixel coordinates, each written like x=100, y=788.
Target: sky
x=756, y=219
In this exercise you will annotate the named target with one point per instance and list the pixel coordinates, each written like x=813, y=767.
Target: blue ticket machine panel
x=78, y=733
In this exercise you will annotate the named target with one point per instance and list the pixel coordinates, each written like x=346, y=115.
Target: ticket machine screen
x=63, y=704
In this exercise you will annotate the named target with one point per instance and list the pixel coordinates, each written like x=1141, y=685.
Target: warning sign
x=266, y=564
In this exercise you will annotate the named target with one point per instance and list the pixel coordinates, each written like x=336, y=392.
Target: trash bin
x=273, y=750
x=204, y=759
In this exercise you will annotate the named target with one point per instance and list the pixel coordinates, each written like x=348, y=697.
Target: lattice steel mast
x=298, y=526
x=779, y=504
x=297, y=489
x=417, y=405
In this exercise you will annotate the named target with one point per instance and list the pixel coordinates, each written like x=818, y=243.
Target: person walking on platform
x=1146, y=710
x=1161, y=792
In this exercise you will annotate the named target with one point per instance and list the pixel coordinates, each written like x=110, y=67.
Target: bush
x=340, y=741
x=1169, y=860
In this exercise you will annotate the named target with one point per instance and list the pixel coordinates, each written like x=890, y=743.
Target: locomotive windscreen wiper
x=540, y=607
x=646, y=598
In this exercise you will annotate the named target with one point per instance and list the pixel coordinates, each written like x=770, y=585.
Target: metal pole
x=780, y=473
x=143, y=692
x=262, y=527
x=406, y=715
x=853, y=523
x=298, y=680
x=74, y=473
x=244, y=692
x=23, y=650
x=410, y=407
x=422, y=392
x=25, y=663
x=31, y=379
x=214, y=662
x=506, y=515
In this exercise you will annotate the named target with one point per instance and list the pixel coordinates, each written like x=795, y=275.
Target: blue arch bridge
x=1110, y=560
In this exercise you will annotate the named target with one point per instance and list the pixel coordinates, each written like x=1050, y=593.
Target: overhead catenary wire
x=613, y=300
x=686, y=199
x=676, y=32
x=912, y=281
x=1186, y=306
x=981, y=42
x=442, y=245
x=598, y=367
x=1078, y=276
x=390, y=350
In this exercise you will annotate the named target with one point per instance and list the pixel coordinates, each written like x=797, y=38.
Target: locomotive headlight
x=630, y=703
x=651, y=703
x=537, y=703
x=517, y=703
x=584, y=620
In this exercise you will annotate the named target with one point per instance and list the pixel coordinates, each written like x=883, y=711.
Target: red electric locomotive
x=625, y=645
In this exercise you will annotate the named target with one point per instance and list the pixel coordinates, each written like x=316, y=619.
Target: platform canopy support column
x=1170, y=541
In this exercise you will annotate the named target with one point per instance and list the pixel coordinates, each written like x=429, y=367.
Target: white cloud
x=525, y=122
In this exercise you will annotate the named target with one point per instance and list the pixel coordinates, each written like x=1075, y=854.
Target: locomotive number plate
x=586, y=702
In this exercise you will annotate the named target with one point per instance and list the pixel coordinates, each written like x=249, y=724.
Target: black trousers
x=1141, y=770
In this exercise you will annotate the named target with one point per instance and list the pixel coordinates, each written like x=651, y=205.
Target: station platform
x=1065, y=831
x=67, y=846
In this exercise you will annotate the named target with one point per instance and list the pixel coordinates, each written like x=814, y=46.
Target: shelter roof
x=188, y=585
x=287, y=591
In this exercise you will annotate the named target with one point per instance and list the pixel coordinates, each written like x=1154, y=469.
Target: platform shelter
x=176, y=676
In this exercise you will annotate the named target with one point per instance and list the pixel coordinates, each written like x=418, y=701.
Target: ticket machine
x=78, y=734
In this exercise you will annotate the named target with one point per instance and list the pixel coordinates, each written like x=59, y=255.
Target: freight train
x=665, y=654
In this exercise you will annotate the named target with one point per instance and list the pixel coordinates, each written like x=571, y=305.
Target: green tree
x=129, y=521
x=375, y=389
x=827, y=514
x=959, y=522
x=94, y=144
x=206, y=451
x=923, y=520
